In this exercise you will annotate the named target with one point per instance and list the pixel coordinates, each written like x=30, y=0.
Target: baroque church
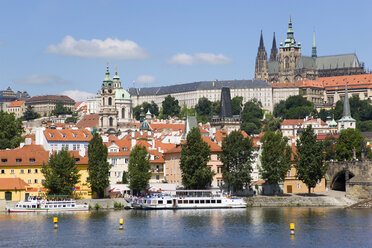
x=115, y=112
x=290, y=66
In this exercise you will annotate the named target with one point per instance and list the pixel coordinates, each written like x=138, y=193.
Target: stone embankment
x=299, y=201
x=362, y=204
x=103, y=203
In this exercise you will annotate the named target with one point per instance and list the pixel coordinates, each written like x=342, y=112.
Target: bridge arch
x=339, y=180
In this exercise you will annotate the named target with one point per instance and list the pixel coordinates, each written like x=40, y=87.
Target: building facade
x=17, y=108
x=44, y=105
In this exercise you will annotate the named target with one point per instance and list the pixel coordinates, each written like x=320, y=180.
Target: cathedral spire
x=261, y=71
x=313, y=50
x=261, y=43
x=274, y=51
x=290, y=41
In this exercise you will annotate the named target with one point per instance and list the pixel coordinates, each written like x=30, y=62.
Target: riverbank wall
x=298, y=201
x=104, y=203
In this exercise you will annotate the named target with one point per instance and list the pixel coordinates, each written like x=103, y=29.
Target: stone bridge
x=354, y=177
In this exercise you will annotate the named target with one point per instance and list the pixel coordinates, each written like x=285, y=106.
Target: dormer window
x=86, y=135
x=51, y=135
x=77, y=159
x=125, y=149
x=18, y=160
x=63, y=135
x=75, y=136
x=4, y=160
x=32, y=160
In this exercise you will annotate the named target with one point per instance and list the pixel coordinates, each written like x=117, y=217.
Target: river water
x=251, y=227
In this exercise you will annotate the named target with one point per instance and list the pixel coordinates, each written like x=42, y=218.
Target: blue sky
x=53, y=47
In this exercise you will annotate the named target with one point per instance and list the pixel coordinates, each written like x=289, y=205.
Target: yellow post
x=55, y=221
x=121, y=222
x=292, y=228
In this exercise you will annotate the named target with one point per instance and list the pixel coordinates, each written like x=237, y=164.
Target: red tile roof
x=16, y=104
x=25, y=156
x=88, y=121
x=67, y=135
x=51, y=98
x=12, y=184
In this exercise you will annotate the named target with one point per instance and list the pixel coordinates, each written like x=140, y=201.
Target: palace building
x=290, y=65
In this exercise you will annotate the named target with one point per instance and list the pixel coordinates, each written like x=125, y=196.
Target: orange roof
x=214, y=147
x=25, y=156
x=88, y=121
x=67, y=135
x=284, y=85
x=12, y=183
x=300, y=121
x=362, y=79
x=16, y=104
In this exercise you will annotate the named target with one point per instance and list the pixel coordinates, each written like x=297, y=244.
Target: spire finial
x=116, y=69
x=313, y=50
x=261, y=41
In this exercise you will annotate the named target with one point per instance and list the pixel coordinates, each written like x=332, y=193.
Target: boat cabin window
x=73, y=205
x=191, y=201
x=160, y=202
x=201, y=201
x=218, y=201
x=55, y=206
x=213, y=201
x=169, y=202
x=179, y=201
x=208, y=201
x=33, y=206
x=64, y=206
x=68, y=205
x=196, y=201
x=186, y=201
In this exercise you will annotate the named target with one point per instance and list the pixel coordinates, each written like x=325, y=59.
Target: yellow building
x=25, y=163
x=292, y=185
x=12, y=189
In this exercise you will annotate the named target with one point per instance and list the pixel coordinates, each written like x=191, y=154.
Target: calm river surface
x=251, y=227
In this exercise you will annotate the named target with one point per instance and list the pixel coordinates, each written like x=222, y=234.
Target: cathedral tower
x=261, y=71
x=274, y=51
x=290, y=53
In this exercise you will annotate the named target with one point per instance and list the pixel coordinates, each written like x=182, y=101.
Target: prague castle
x=290, y=65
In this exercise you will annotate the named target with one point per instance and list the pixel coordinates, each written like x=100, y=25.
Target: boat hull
x=12, y=210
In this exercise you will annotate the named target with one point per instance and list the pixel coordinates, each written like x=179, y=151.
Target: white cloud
x=78, y=95
x=108, y=48
x=199, y=58
x=41, y=80
x=145, y=79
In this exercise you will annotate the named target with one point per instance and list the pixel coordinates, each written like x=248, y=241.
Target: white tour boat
x=184, y=199
x=47, y=205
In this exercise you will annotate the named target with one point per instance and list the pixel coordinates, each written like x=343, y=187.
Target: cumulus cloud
x=108, y=48
x=199, y=58
x=41, y=80
x=145, y=79
x=78, y=95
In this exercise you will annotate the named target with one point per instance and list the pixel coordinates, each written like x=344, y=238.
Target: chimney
x=153, y=144
x=134, y=141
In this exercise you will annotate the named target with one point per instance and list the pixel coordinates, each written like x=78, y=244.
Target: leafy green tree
x=364, y=126
x=139, y=169
x=251, y=117
x=60, y=173
x=275, y=157
x=124, y=179
x=187, y=112
x=323, y=114
x=329, y=145
x=349, y=140
x=170, y=107
x=195, y=155
x=137, y=112
x=272, y=124
x=216, y=107
x=203, y=109
x=237, y=158
x=153, y=107
x=10, y=131
x=99, y=168
x=309, y=159
x=60, y=109
x=30, y=114
x=237, y=104
x=295, y=107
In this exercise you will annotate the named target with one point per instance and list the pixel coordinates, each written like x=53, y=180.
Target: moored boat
x=188, y=199
x=55, y=204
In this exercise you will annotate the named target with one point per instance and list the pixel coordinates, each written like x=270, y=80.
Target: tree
x=124, y=179
x=237, y=158
x=237, y=104
x=152, y=107
x=30, y=114
x=272, y=124
x=323, y=114
x=309, y=159
x=203, y=109
x=275, y=157
x=60, y=109
x=99, y=168
x=60, y=173
x=348, y=141
x=195, y=155
x=329, y=146
x=170, y=107
x=10, y=131
x=186, y=112
x=251, y=117
x=364, y=126
x=295, y=107
x=139, y=169
x=216, y=107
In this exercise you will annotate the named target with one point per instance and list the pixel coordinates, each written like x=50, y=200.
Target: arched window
x=111, y=121
x=110, y=101
x=103, y=101
x=102, y=122
x=123, y=113
x=286, y=63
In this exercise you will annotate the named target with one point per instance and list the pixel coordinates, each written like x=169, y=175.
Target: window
x=29, y=181
x=2, y=171
x=4, y=160
x=289, y=173
x=125, y=149
x=18, y=160
x=114, y=161
x=11, y=171
x=36, y=171
x=32, y=160
x=75, y=147
x=35, y=181
x=157, y=177
x=42, y=180
x=160, y=202
x=126, y=160
x=299, y=185
x=169, y=201
x=28, y=171
x=22, y=171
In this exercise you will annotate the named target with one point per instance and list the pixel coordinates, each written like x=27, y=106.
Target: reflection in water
x=252, y=227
